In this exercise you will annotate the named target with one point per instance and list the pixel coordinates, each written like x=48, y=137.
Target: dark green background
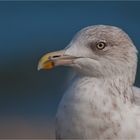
x=28, y=98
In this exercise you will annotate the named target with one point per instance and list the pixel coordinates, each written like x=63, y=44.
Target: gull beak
x=50, y=60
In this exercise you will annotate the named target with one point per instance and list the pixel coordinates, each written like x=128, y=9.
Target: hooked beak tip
x=47, y=61
x=51, y=60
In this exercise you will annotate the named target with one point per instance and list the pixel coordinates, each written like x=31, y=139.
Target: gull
x=101, y=101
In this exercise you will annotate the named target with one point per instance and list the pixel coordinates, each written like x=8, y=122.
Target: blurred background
x=28, y=98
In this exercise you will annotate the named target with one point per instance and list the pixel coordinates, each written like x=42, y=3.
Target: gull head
x=100, y=51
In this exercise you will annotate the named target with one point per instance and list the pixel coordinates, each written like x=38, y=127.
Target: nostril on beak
x=55, y=56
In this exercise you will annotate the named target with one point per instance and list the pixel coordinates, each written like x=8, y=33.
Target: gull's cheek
x=87, y=66
x=87, y=62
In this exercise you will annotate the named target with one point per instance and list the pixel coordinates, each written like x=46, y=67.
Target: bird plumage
x=100, y=115
x=101, y=102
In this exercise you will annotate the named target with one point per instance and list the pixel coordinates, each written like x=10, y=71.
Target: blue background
x=28, y=98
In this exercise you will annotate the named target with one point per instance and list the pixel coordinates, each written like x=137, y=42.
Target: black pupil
x=100, y=45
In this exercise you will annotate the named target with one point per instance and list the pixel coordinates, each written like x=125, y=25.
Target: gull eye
x=100, y=45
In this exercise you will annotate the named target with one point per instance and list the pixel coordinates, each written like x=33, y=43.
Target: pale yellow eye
x=100, y=45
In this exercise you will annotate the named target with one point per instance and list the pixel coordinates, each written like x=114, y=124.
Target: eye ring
x=100, y=45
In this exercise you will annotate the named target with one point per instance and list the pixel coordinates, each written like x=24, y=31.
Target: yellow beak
x=50, y=60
